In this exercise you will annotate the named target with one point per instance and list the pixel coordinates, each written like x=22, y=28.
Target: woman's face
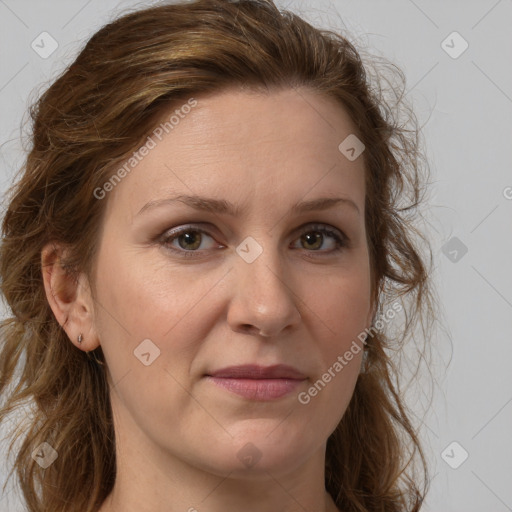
x=264, y=287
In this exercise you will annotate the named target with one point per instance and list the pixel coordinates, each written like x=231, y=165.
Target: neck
x=148, y=480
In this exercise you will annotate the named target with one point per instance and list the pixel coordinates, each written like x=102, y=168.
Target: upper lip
x=254, y=371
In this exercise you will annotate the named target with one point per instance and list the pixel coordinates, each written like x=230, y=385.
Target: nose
x=263, y=301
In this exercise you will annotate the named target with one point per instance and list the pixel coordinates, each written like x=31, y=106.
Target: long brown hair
x=87, y=122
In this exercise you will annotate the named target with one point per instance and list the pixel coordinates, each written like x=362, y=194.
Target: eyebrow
x=222, y=206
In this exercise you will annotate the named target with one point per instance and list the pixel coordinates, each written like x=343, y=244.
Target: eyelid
x=341, y=239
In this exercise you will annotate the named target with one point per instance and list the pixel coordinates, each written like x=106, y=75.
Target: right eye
x=188, y=239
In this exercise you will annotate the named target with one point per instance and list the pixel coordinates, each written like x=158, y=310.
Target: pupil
x=310, y=238
x=189, y=238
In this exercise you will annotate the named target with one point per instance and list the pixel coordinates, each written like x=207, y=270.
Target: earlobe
x=68, y=297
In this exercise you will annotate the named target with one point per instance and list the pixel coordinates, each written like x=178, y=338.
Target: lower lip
x=258, y=389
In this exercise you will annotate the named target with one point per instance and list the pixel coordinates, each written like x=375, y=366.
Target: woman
x=202, y=257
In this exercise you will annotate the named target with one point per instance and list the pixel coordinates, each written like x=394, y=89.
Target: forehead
x=246, y=143
x=236, y=118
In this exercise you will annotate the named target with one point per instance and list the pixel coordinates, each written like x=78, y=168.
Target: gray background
x=465, y=105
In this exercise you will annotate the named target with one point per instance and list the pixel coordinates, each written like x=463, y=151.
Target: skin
x=177, y=434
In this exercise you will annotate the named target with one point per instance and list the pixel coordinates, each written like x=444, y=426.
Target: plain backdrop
x=456, y=56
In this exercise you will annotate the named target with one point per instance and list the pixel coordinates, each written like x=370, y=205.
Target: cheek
x=342, y=307
x=144, y=298
x=147, y=297
x=140, y=302
x=342, y=314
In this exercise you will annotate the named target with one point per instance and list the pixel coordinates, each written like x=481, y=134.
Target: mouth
x=258, y=382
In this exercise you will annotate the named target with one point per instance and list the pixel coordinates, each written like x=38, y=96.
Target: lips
x=252, y=371
x=258, y=383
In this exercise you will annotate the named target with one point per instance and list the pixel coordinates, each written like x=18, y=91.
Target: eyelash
x=340, y=239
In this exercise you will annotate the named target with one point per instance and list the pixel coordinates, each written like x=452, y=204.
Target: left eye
x=314, y=234
x=189, y=239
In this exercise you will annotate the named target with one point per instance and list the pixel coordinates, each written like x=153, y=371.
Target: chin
x=260, y=447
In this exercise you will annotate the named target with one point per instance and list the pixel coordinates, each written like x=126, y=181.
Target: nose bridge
x=262, y=295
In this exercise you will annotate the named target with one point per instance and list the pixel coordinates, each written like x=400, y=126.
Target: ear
x=70, y=299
